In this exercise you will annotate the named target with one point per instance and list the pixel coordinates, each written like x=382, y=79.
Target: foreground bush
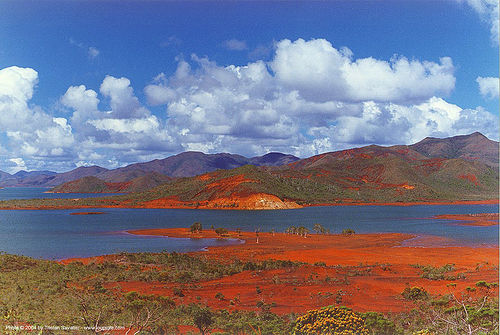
x=415, y=293
x=378, y=324
x=330, y=320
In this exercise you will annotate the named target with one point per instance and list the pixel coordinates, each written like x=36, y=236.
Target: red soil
x=484, y=219
x=252, y=201
x=431, y=165
x=470, y=177
x=368, y=272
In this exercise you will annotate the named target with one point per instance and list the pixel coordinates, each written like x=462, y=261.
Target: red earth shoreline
x=483, y=219
x=180, y=205
x=368, y=271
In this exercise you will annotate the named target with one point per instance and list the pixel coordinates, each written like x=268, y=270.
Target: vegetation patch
x=415, y=293
x=439, y=273
x=330, y=320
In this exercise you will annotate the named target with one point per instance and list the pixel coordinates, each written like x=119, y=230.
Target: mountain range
x=182, y=165
x=371, y=174
x=432, y=170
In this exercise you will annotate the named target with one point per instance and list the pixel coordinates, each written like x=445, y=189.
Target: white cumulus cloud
x=309, y=98
x=29, y=130
x=488, y=87
x=321, y=72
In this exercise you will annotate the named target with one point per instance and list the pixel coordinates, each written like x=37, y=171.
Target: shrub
x=196, y=227
x=423, y=332
x=348, y=232
x=377, y=323
x=330, y=320
x=221, y=231
x=178, y=292
x=438, y=273
x=203, y=318
x=415, y=293
x=482, y=283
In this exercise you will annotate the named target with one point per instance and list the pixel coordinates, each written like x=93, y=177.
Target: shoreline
x=275, y=244
x=87, y=213
x=186, y=205
x=480, y=220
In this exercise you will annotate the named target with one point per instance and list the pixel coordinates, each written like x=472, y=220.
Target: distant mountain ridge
x=185, y=164
x=91, y=184
x=474, y=147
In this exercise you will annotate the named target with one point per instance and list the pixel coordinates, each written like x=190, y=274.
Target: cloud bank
x=310, y=98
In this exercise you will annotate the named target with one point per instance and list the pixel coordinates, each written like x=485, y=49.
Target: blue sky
x=115, y=82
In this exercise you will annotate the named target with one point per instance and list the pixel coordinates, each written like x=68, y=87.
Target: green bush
x=415, y=293
x=378, y=324
x=348, y=232
x=203, y=318
x=221, y=231
x=178, y=292
x=439, y=273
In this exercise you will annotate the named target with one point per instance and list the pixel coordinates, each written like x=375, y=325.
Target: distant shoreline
x=180, y=205
x=482, y=219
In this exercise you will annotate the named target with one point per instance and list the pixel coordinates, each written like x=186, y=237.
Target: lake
x=55, y=234
x=11, y=193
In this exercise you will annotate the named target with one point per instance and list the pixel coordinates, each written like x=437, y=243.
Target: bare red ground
x=372, y=271
x=255, y=201
x=470, y=177
x=484, y=219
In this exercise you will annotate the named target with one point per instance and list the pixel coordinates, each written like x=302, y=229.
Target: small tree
x=202, y=318
x=146, y=310
x=196, y=227
x=319, y=229
x=302, y=231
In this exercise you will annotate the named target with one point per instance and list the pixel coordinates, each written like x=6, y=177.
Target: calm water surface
x=10, y=193
x=55, y=234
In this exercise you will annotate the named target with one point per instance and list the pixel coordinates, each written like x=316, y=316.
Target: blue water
x=55, y=234
x=10, y=193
